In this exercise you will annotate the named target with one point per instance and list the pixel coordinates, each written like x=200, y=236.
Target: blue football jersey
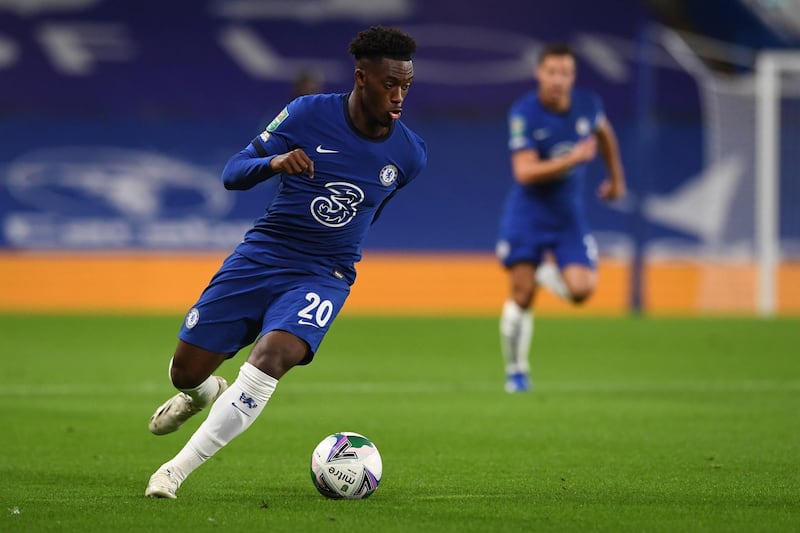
x=532, y=126
x=320, y=222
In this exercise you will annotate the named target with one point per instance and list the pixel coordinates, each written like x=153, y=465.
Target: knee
x=580, y=282
x=522, y=296
x=523, y=300
x=580, y=297
x=274, y=362
x=278, y=352
x=182, y=376
x=581, y=292
x=522, y=284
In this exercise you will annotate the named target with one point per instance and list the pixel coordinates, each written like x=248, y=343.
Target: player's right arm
x=529, y=168
x=268, y=154
x=247, y=169
x=527, y=165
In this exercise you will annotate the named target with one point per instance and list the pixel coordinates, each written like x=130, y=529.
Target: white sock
x=516, y=333
x=203, y=393
x=548, y=275
x=233, y=412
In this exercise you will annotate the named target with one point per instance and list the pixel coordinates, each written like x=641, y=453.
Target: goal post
x=770, y=65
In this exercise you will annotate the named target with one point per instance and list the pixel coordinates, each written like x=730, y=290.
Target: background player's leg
x=580, y=281
x=236, y=408
x=549, y=276
x=190, y=371
x=576, y=252
x=516, y=327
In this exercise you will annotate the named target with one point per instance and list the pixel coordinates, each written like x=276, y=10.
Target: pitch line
x=422, y=387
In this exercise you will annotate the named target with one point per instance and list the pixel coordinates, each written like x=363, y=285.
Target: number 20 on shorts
x=317, y=313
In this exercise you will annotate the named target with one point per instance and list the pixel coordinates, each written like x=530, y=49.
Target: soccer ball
x=346, y=465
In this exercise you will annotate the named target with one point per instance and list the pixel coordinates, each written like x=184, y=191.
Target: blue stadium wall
x=166, y=91
x=116, y=118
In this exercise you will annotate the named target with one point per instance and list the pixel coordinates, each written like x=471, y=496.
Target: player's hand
x=295, y=163
x=611, y=190
x=584, y=150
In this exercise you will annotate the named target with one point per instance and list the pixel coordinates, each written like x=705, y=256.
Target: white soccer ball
x=346, y=465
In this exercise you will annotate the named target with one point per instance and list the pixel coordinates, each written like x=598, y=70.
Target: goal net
x=744, y=207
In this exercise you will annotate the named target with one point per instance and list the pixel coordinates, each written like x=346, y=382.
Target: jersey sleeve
x=246, y=169
x=418, y=164
x=251, y=165
x=519, y=129
x=279, y=137
x=411, y=171
x=598, y=112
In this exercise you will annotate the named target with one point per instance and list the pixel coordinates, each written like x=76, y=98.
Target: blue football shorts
x=570, y=246
x=245, y=300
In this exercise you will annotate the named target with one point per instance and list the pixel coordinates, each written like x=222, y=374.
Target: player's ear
x=360, y=76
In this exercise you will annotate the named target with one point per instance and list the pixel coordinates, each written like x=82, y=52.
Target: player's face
x=556, y=76
x=386, y=85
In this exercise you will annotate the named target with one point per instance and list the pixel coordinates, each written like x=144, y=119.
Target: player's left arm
x=613, y=187
x=383, y=204
x=414, y=169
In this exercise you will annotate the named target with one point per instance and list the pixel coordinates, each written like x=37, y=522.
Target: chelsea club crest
x=388, y=175
x=192, y=318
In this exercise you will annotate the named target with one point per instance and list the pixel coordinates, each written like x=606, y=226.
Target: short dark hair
x=556, y=49
x=378, y=42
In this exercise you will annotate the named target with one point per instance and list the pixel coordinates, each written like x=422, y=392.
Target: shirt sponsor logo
x=340, y=207
x=562, y=148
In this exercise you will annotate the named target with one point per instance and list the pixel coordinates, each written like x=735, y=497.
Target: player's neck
x=360, y=120
x=556, y=106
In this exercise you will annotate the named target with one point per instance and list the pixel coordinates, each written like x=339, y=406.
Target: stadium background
x=117, y=118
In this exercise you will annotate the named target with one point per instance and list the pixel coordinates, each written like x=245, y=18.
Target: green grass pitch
x=635, y=425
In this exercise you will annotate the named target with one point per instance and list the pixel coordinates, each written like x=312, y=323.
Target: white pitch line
x=422, y=387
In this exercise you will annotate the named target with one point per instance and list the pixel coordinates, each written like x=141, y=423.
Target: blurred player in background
x=554, y=132
x=308, y=81
x=339, y=158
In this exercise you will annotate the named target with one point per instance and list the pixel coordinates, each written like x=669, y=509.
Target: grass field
x=636, y=425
